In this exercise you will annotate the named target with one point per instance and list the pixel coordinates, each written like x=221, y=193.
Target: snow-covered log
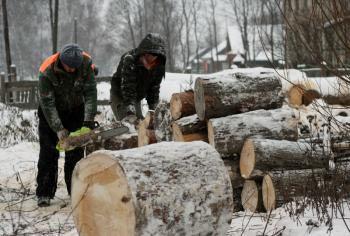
x=227, y=134
x=169, y=188
x=229, y=94
x=125, y=141
x=162, y=122
x=182, y=104
x=251, y=196
x=189, y=129
x=267, y=155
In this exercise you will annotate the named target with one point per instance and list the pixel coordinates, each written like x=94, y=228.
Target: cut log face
x=250, y=196
x=189, y=129
x=167, y=188
x=182, y=104
x=145, y=136
x=268, y=193
x=268, y=155
x=227, y=134
x=236, y=93
x=100, y=190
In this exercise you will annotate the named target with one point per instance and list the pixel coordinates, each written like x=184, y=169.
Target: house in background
x=230, y=53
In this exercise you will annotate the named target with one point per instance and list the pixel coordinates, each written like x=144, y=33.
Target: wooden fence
x=24, y=94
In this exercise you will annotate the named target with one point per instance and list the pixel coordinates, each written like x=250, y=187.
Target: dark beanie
x=71, y=55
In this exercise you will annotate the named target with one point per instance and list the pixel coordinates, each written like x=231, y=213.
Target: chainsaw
x=86, y=136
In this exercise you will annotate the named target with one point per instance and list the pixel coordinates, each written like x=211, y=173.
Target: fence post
x=2, y=87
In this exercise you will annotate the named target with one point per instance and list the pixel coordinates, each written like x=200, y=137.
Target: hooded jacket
x=60, y=91
x=132, y=82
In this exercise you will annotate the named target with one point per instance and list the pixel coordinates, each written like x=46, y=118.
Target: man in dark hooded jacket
x=68, y=101
x=138, y=76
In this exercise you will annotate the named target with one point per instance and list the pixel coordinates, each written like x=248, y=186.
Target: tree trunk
x=6, y=36
x=182, y=104
x=251, y=196
x=189, y=129
x=162, y=122
x=236, y=93
x=163, y=189
x=267, y=155
x=227, y=134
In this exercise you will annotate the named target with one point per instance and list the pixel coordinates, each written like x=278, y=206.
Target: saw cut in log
x=182, y=104
x=299, y=95
x=228, y=94
x=162, y=122
x=227, y=134
x=168, y=188
x=146, y=134
x=267, y=155
x=251, y=196
x=189, y=129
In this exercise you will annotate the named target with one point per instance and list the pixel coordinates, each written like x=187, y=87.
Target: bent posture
x=138, y=76
x=67, y=91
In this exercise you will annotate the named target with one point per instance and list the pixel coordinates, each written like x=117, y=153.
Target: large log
x=189, y=129
x=166, y=188
x=267, y=155
x=251, y=196
x=227, y=94
x=281, y=187
x=227, y=134
x=182, y=104
x=125, y=141
x=162, y=122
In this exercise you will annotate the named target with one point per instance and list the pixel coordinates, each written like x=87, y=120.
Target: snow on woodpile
x=17, y=125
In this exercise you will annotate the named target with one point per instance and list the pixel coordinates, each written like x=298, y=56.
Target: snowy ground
x=19, y=214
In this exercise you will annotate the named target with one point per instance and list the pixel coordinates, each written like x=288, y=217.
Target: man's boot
x=43, y=201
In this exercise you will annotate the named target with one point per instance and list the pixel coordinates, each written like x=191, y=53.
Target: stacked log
x=162, y=122
x=251, y=196
x=146, y=133
x=161, y=189
x=182, y=104
x=227, y=134
x=189, y=129
x=267, y=155
x=236, y=93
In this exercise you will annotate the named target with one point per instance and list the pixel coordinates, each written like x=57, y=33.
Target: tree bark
x=236, y=93
x=182, y=104
x=227, y=134
x=189, y=129
x=6, y=36
x=125, y=141
x=162, y=189
x=267, y=155
x=251, y=196
x=162, y=122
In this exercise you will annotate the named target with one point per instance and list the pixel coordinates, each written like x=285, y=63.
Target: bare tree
x=6, y=35
x=195, y=8
x=213, y=5
x=54, y=23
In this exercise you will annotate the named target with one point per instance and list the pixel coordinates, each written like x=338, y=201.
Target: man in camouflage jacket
x=68, y=101
x=138, y=76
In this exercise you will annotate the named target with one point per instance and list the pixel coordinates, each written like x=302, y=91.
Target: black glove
x=91, y=124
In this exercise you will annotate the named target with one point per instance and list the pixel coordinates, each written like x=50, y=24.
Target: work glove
x=91, y=124
x=62, y=134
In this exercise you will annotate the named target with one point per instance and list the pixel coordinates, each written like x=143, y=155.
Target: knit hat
x=71, y=55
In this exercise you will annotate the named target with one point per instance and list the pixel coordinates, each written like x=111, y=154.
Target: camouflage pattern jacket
x=132, y=82
x=60, y=91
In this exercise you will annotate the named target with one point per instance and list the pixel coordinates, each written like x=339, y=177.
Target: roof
x=220, y=47
x=235, y=40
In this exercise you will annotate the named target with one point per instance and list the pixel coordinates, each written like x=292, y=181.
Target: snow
x=235, y=39
x=19, y=152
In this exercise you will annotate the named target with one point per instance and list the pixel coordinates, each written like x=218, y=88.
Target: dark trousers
x=48, y=155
